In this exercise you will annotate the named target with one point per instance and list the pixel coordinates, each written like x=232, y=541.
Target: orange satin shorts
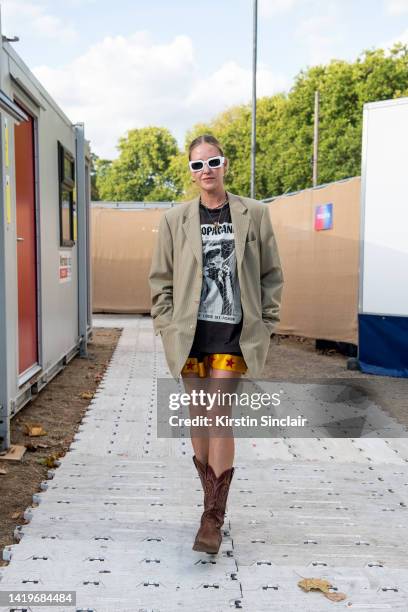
x=221, y=361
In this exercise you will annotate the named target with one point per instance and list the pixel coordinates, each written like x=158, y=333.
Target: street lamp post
x=253, y=133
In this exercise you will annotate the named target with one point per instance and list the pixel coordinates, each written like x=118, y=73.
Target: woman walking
x=216, y=283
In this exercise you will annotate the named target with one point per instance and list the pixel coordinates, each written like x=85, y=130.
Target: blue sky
x=172, y=63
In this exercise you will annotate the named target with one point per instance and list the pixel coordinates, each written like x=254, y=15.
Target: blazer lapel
x=192, y=230
x=240, y=223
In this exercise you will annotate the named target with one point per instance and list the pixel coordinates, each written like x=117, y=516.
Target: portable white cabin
x=45, y=296
x=383, y=290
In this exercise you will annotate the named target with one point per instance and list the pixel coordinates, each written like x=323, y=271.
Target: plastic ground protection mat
x=115, y=521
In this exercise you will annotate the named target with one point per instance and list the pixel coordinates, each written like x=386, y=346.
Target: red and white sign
x=65, y=267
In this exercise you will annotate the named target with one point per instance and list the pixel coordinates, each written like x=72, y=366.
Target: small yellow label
x=75, y=226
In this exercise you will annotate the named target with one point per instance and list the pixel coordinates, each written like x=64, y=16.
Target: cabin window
x=66, y=177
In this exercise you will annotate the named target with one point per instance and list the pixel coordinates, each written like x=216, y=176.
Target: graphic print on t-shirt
x=220, y=294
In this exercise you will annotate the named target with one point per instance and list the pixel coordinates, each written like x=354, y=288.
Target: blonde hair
x=209, y=139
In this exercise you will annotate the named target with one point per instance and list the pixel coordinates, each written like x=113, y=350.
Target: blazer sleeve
x=271, y=273
x=161, y=277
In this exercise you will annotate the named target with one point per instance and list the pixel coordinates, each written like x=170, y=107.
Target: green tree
x=150, y=166
x=93, y=173
x=142, y=170
x=100, y=167
x=285, y=123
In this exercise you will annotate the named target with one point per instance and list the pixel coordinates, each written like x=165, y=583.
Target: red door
x=26, y=244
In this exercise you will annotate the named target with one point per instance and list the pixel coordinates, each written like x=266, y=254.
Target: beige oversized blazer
x=176, y=277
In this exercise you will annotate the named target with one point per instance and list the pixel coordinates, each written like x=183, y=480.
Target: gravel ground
x=294, y=357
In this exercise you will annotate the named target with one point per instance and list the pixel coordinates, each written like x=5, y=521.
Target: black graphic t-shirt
x=219, y=320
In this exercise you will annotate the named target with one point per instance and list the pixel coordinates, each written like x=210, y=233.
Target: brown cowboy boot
x=208, y=538
x=200, y=469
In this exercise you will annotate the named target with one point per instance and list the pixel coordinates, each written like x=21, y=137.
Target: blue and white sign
x=323, y=217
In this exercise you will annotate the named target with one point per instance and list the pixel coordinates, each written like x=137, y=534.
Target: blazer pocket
x=167, y=328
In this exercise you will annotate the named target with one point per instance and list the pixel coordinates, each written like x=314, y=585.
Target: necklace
x=222, y=207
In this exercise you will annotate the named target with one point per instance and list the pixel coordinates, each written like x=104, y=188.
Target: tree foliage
x=143, y=170
x=150, y=166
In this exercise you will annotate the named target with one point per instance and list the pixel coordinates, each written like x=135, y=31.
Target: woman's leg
x=199, y=435
x=219, y=470
x=221, y=449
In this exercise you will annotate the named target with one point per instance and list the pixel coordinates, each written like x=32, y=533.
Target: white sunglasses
x=212, y=162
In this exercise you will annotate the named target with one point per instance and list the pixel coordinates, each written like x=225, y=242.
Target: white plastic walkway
x=117, y=518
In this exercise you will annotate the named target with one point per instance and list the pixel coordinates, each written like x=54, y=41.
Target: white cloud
x=232, y=84
x=22, y=15
x=269, y=8
x=123, y=82
x=77, y=3
x=403, y=38
x=396, y=7
x=319, y=35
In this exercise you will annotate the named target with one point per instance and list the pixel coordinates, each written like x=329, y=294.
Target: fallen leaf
x=335, y=596
x=16, y=515
x=34, y=429
x=86, y=395
x=49, y=461
x=315, y=583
